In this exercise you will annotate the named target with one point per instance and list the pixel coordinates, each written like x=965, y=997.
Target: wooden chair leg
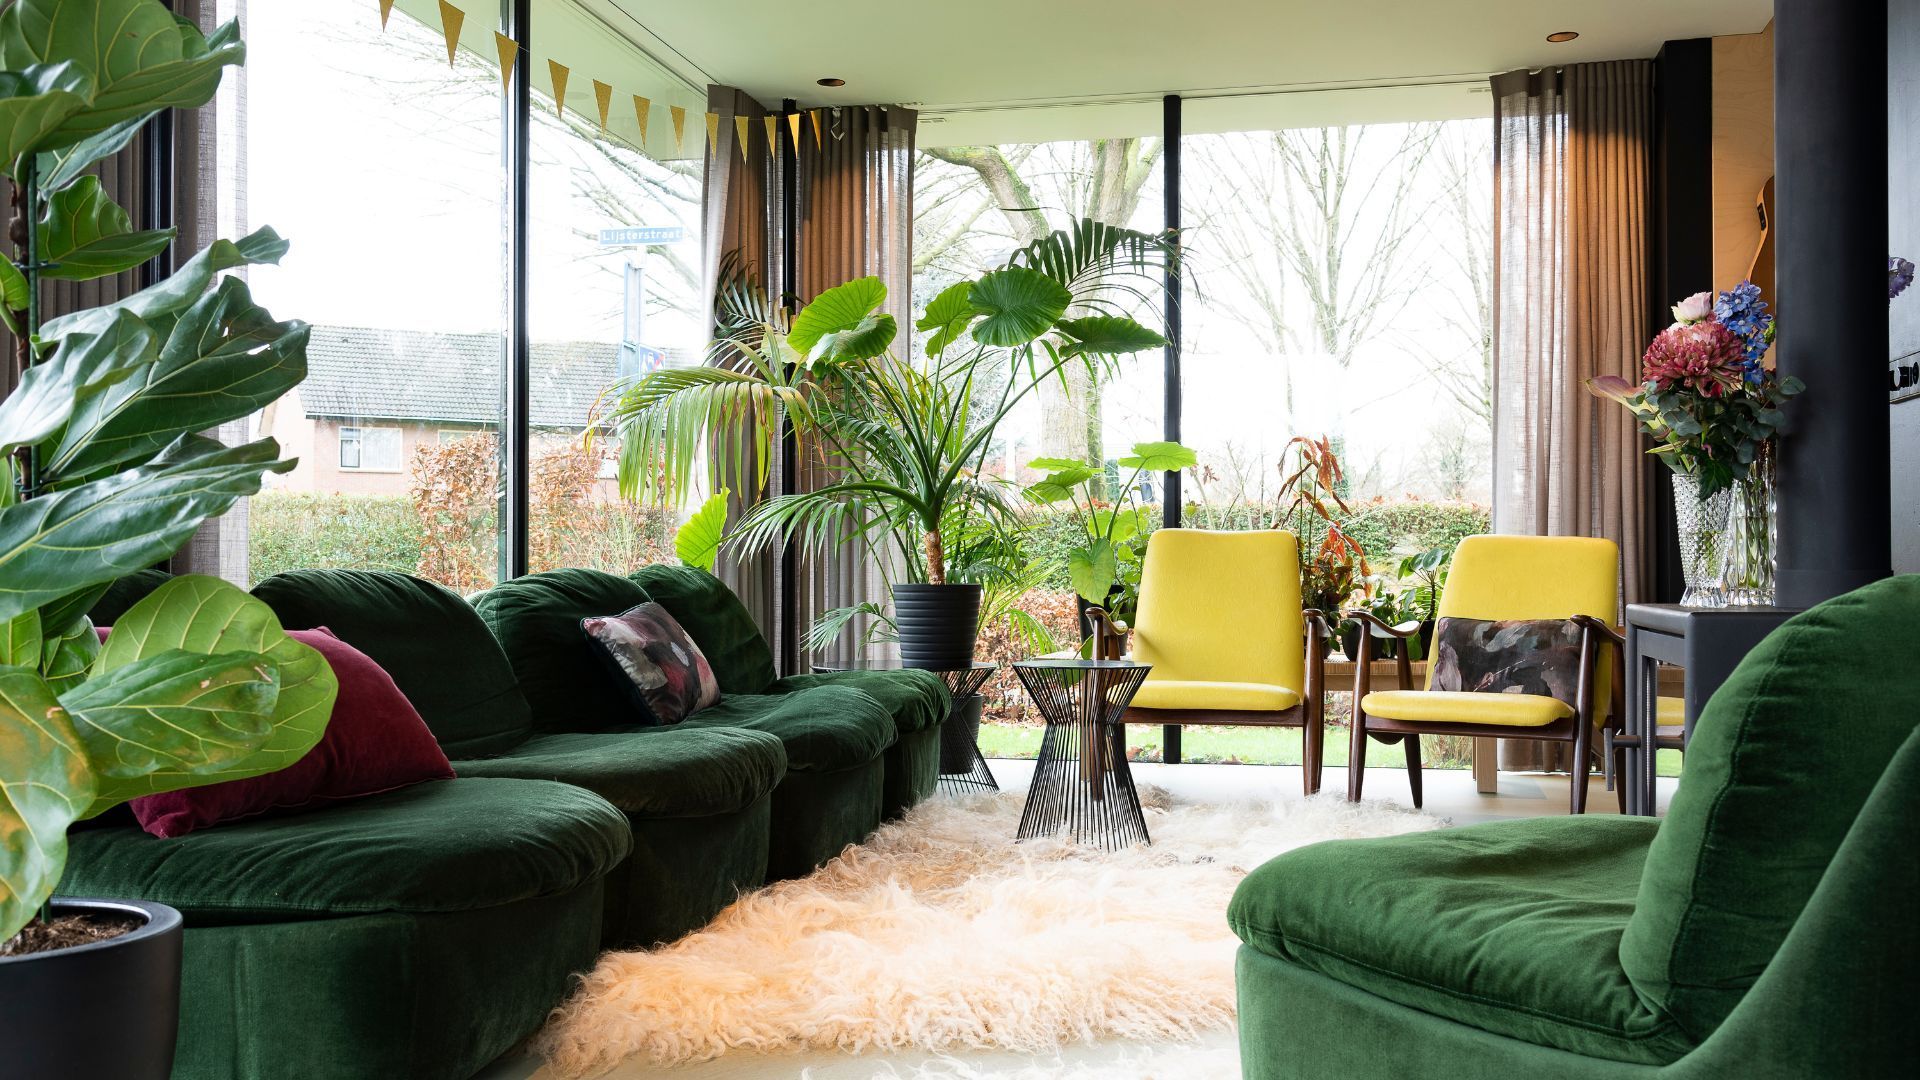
x=1582, y=768
x=1170, y=744
x=1357, y=756
x=1314, y=737
x=1413, y=769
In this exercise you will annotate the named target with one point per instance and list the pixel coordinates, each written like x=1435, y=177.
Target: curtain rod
x=1468, y=79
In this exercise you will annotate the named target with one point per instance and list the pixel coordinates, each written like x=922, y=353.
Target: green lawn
x=1243, y=746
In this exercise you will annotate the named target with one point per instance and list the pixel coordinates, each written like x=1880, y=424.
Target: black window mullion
x=1170, y=197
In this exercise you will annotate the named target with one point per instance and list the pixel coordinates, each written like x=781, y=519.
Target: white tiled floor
x=1449, y=794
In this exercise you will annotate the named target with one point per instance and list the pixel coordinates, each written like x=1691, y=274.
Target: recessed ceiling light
x=831, y=82
x=1559, y=36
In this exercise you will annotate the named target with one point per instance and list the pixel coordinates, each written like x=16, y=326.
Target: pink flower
x=1693, y=309
x=1704, y=357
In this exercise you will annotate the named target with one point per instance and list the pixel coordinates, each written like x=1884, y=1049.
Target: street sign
x=642, y=235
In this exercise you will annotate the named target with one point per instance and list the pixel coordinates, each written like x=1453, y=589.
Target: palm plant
x=901, y=444
x=102, y=469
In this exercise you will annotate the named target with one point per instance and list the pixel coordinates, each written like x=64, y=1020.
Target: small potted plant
x=102, y=471
x=1333, y=566
x=1105, y=568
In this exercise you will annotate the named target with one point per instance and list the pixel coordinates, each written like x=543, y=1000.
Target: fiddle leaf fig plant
x=104, y=468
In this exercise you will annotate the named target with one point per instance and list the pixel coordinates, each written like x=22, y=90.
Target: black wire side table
x=1081, y=784
x=962, y=766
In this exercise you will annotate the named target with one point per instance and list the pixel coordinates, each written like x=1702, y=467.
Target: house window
x=370, y=449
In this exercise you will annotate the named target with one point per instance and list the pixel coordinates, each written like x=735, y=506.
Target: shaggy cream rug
x=941, y=933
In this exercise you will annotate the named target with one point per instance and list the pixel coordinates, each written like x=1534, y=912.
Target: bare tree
x=1460, y=355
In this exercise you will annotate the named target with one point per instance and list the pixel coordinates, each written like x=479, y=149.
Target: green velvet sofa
x=838, y=739
x=1763, y=929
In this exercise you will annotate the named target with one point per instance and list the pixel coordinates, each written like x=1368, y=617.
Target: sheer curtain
x=741, y=215
x=855, y=219
x=1572, y=198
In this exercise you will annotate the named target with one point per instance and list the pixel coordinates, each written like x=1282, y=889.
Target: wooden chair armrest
x=1379, y=627
x=1107, y=634
x=1318, y=623
x=1612, y=710
x=1598, y=626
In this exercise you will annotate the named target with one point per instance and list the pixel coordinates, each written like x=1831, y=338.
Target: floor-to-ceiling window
x=614, y=243
x=382, y=154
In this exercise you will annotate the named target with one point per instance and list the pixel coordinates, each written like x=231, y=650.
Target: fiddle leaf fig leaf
x=46, y=784
x=1019, y=305
x=81, y=366
x=205, y=615
x=85, y=235
x=159, y=304
x=66, y=657
x=168, y=720
x=20, y=640
x=225, y=359
x=33, y=104
x=57, y=545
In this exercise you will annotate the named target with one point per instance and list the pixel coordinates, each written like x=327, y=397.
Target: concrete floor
x=1449, y=793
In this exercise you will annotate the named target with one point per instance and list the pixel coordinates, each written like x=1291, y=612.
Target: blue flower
x=1741, y=310
x=1899, y=276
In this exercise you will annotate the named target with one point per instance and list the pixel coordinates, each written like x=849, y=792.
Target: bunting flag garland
x=642, y=112
x=509, y=50
x=818, y=143
x=713, y=131
x=680, y=128
x=602, y=97
x=793, y=130
x=451, y=19
x=773, y=134
x=559, y=73
x=386, y=9
x=740, y=125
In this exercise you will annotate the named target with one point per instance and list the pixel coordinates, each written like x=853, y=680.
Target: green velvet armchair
x=1763, y=929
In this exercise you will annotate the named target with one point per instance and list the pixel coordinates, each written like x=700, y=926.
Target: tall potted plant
x=1105, y=569
x=902, y=445
x=101, y=473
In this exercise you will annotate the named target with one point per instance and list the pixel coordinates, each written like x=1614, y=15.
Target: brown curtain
x=1572, y=196
x=742, y=216
x=855, y=220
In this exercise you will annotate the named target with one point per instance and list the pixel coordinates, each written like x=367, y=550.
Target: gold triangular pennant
x=509, y=49
x=740, y=125
x=773, y=134
x=713, y=133
x=602, y=97
x=793, y=130
x=559, y=72
x=451, y=19
x=817, y=141
x=386, y=9
x=679, y=114
x=642, y=112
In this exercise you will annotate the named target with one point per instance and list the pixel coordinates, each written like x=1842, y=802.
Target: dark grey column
x=1830, y=146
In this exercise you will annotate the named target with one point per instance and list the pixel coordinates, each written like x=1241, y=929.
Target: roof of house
x=361, y=373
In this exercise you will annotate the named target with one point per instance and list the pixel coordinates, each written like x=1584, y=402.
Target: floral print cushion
x=664, y=672
x=1540, y=657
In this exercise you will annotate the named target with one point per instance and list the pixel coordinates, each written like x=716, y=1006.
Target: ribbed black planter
x=938, y=625
x=107, y=1009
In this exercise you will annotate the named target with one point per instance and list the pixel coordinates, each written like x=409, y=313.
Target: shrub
x=290, y=531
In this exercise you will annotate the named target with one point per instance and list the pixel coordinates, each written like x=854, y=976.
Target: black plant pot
x=938, y=625
x=1348, y=633
x=111, y=1008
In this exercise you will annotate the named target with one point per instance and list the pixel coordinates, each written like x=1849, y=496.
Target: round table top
x=1079, y=664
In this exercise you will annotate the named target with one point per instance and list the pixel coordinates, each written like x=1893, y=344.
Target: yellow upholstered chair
x=1221, y=622
x=1507, y=578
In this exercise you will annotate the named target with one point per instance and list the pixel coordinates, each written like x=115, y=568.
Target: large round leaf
x=206, y=615
x=1019, y=306
x=948, y=316
x=844, y=313
x=1159, y=457
x=45, y=785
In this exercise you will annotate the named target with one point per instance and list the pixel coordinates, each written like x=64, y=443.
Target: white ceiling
x=955, y=58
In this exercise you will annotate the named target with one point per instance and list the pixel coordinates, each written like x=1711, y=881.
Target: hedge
x=294, y=531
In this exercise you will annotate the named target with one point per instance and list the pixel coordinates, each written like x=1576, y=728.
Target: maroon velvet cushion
x=650, y=654
x=375, y=742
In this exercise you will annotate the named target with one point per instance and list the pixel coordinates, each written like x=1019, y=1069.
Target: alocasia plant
x=103, y=469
